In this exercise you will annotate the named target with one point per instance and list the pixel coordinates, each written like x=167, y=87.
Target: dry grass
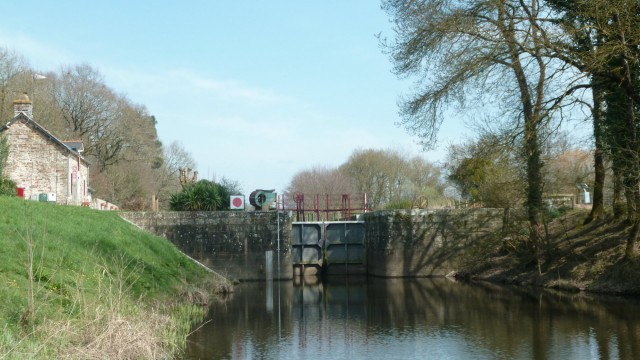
x=114, y=324
x=136, y=333
x=579, y=257
x=202, y=293
x=119, y=338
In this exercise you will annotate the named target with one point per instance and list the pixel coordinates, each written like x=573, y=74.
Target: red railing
x=326, y=207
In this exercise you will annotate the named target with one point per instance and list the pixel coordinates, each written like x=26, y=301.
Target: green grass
x=89, y=268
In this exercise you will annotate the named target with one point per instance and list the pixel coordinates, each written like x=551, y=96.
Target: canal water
x=371, y=318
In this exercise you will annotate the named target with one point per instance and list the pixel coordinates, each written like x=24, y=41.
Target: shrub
x=203, y=195
x=556, y=212
x=7, y=187
x=135, y=204
x=399, y=204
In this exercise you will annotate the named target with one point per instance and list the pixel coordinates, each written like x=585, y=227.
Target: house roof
x=71, y=146
x=76, y=145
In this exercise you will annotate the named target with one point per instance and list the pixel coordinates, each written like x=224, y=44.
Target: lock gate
x=333, y=247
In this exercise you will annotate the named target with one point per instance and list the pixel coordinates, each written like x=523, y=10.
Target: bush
x=556, y=212
x=135, y=204
x=7, y=187
x=203, y=195
x=399, y=204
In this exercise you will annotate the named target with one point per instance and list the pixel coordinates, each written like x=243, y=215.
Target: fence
x=326, y=207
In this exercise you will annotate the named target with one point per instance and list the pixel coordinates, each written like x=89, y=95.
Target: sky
x=256, y=91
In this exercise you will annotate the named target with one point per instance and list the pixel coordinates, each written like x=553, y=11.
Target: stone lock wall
x=232, y=243
x=397, y=243
x=414, y=243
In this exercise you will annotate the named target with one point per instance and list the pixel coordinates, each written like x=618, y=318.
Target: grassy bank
x=574, y=257
x=80, y=283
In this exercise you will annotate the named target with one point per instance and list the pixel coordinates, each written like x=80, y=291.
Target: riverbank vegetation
x=80, y=283
x=575, y=256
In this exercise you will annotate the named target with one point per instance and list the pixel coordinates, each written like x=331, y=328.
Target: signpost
x=236, y=202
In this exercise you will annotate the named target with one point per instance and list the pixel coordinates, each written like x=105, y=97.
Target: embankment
x=84, y=283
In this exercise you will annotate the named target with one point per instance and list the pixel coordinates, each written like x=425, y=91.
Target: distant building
x=40, y=163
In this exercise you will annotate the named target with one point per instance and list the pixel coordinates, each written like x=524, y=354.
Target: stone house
x=40, y=163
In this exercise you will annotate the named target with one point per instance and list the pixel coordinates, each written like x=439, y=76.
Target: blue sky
x=255, y=90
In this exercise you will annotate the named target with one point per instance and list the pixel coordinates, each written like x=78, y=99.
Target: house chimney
x=22, y=104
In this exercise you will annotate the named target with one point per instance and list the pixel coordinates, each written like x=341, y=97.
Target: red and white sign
x=237, y=202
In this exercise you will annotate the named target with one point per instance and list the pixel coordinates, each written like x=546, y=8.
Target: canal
x=372, y=318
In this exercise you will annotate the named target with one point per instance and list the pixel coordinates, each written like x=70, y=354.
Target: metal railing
x=326, y=207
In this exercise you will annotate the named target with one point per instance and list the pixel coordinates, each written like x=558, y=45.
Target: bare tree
x=120, y=137
x=378, y=173
x=111, y=126
x=319, y=180
x=479, y=47
x=424, y=179
x=87, y=104
x=167, y=180
x=92, y=113
x=11, y=65
x=388, y=175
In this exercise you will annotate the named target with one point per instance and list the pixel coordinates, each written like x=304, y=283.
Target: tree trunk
x=618, y=139
x=597, y=209
x=534, y=188
x=619, y=208
x=630, y=250
x=534, y=174
x=632, y=178
x=632, y=190
x=532, y=114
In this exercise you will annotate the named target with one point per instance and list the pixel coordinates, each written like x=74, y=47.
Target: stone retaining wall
x=232, y=243
x=413, y=243
x=399, y=243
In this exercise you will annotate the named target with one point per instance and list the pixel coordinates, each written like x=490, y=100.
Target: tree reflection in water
x=359, y=317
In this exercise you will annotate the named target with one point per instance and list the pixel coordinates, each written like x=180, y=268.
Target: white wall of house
x=78, y=180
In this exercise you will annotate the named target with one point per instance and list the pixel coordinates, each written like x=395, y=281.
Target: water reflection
x=373, y=318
